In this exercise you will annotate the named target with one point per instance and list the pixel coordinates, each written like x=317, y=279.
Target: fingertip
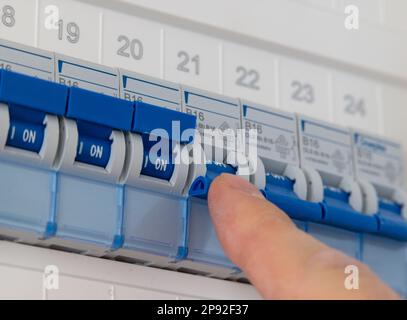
x=278, y=258
x=233, y=196
x=226, y=181
x=242, y=217
x=225, y=193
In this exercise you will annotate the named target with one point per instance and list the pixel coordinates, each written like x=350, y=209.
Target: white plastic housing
x=300, y=182
x=400, y=198
x=370, y=198
x=355, y=193
x=242, y=164
x=258, y=175
x=197, y=167
x=315, y=187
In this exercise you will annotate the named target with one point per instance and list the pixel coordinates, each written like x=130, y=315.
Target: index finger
x=278, y=258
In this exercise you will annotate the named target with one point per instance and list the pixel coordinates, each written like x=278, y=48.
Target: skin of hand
x=279, y=259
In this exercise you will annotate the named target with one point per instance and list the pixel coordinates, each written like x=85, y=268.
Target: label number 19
x=72, y=31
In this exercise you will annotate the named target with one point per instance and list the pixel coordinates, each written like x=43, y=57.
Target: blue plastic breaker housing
x=342, y=227
x=89, y=202
x=123, y=219
x=387, y=254
x=380, y=172
x=202, y=240
x=153, y=181
x=155, y=206
x=205, y=254
x=277, y=150
x=280, y=191
x=326, y=158
x=29, y=137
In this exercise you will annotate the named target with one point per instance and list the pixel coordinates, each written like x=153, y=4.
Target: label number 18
x=8, y=16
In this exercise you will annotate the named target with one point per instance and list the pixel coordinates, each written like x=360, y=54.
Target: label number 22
x=248, y=78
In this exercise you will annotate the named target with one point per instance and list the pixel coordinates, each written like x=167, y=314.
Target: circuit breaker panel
x=79, y=171
x=76, y=171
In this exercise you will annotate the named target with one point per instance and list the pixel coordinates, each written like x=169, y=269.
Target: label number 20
x=130, y=48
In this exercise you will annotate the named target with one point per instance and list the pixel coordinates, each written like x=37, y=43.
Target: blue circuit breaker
x=279, y=162
x=218, y=118
x=204, y=251
x=326, y=158
x=29, y=138
x=90, y=160
x=380, y=173
x=157, y=169
x=89, y=203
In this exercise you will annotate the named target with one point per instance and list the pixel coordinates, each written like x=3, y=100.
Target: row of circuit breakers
x=75, y=171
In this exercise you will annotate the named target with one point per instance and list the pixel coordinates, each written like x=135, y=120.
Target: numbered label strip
x=92, y=33
x=136, y=87
x=212, y=111
x=85, y=75
x=25, y=60
x=325, y=148
x=378, y=161
x=276, y=132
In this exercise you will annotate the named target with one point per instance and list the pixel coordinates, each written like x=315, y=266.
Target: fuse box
x=83, y=142
x=84, y=104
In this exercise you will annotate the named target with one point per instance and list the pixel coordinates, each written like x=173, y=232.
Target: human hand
x=280, y=260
